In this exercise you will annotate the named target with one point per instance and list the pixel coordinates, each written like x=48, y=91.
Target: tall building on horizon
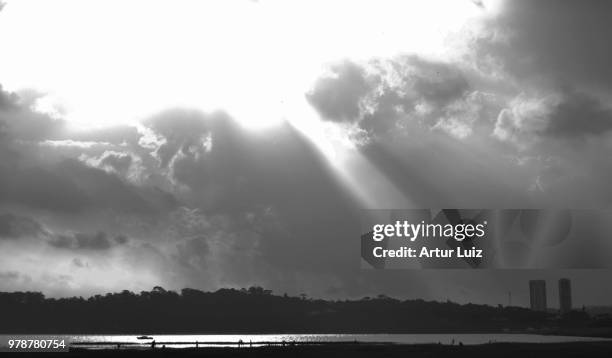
x=565, y=295
x=537, y=295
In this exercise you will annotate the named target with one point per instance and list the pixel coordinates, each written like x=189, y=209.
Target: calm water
x=231, y=340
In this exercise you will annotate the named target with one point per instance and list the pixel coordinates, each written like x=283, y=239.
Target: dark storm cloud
x=557, y=55
x=121, y=239
x=108, y=191
x=85, y=241
x=15, y=227
x=43, y=189
x=70, y=186
x=565, y=41
x=558, y=49
x=192, y=252
x=579, y=114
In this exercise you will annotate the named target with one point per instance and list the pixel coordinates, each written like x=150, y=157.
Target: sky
x=234, y=143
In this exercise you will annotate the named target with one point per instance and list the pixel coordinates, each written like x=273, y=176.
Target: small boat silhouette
x=144, y=337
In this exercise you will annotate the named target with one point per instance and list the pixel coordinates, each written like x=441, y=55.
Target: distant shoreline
x=603, y=332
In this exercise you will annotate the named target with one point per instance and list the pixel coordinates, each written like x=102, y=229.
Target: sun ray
x=367, y=184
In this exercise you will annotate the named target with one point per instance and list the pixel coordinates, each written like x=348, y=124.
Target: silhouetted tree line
x=252, y=310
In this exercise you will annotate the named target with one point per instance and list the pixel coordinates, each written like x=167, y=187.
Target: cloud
x=118, y=135
x=71, y=143
x=120, y=163
x=19, y=121
x=42, y=189
x=106, y=190
x=40, y=166
x=13, y=279
x=71, y=187
x=562, y=42
x=15, y=227
x=182, y=131
x=566, y=115
x=531, y=94
x=85, y=241
x=525, y=118
x=247, y=226
x=200, y=201
x=121, y=239
x=77, y=262
x=7, y=100
x=554, y=56
x=434, y=82
x=9, y=275
x=381, y=95
x=579, y=114
x=478, y=3
x=254, y=195
x=337, y=96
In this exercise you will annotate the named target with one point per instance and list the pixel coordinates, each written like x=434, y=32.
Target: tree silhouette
x=258, y=310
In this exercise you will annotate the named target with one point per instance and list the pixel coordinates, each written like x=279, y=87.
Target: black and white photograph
x=306, y=178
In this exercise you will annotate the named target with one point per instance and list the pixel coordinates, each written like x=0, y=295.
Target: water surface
x=232, y=340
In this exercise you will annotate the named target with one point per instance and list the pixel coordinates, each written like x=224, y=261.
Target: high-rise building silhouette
x=565, y=295
x=537, y=295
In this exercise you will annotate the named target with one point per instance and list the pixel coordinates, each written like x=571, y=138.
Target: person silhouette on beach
x=197, y=343
x=153, y=344
x=239, y=343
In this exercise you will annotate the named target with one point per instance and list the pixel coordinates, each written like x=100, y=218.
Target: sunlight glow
x=116, y=62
